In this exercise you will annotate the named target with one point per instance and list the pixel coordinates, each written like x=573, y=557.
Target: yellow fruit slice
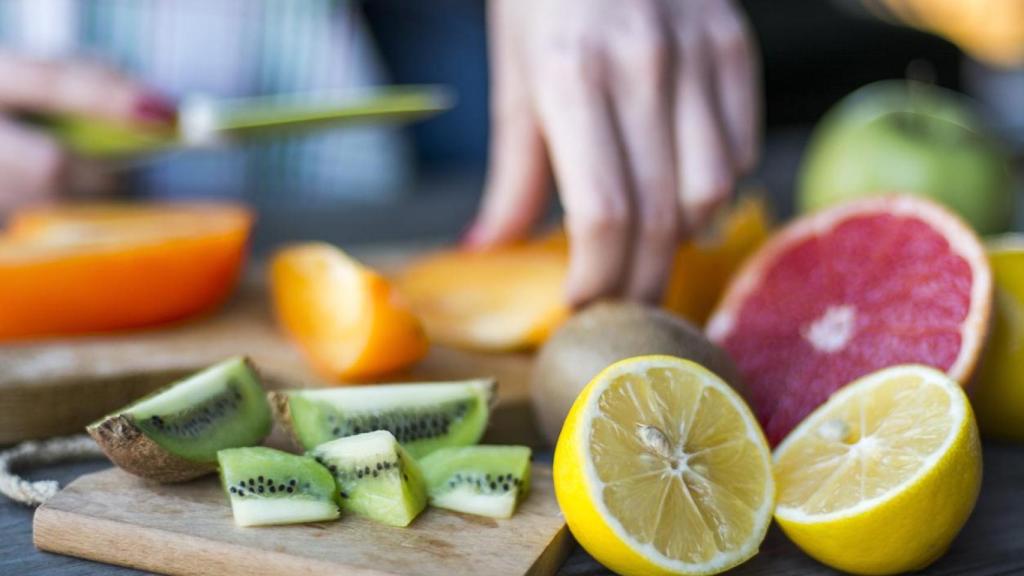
x=506, y=298
x=661, y=468
x=999, y=396
x=704, y=266
x=880, y=479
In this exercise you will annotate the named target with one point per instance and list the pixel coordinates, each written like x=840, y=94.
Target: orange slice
x=346, y=318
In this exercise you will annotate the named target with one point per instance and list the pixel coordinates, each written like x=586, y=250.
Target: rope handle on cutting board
x=28, y=455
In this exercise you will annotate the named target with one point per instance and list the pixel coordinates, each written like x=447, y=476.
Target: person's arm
x=646, y=110
x=32, y=165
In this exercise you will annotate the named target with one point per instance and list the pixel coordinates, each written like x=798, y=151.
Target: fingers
x=33, y=166
x=736, y=81
x=703, y=156
x=591, y=175
x=77, y=88
x=517, y=190
x=641, y=98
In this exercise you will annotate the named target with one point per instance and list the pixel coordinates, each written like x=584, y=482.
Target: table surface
x=992, y=542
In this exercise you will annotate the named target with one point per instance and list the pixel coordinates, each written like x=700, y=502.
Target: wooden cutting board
x=187, y=529
x=57, y=387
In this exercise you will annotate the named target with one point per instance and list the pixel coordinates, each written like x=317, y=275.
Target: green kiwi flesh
x=481, y=480
x=267, y=486
x=376, y=477
x=174, y=434
x=423, y=417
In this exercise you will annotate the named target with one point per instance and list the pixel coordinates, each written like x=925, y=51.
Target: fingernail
x=155, y=109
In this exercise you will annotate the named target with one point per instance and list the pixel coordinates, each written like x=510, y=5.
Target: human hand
x=33, y=166
x=649, y=110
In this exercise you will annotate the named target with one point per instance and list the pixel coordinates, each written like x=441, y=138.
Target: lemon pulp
x=864, y=448
x=880, y=479
x=674, y=466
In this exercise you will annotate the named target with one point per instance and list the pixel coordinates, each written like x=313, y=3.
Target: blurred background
x=375, y=184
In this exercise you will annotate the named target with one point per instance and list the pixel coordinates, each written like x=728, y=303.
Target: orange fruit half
x=77, y=269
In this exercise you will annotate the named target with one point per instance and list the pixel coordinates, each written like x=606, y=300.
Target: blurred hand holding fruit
x=33, y=166
x=632, y=183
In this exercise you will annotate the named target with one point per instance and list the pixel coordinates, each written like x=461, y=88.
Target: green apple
x=908, y=137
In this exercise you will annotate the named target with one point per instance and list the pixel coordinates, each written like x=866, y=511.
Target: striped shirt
x=233, y=48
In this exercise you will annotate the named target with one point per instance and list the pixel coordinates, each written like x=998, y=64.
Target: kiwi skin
x=282, y=412
x=128, y=446
x=602, y=334
x=130, y=449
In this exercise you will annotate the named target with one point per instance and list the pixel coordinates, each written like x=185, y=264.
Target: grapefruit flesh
x=848, y=291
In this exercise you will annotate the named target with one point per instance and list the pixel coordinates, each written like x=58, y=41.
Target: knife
x=204, y=121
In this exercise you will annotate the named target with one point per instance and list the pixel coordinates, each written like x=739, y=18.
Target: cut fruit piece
x=267, y=486
x=346, y=318
x=91, y=268
x=424, y=417
x=502, y=299
x=661, y=468
x=704, y=266
x=175, y=433
x=513, y=297
x=376, y=477
x=998, y=397
x=482, y=480
x=880, y=479
x=847, y=291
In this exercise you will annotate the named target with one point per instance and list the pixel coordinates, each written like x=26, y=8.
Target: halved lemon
x=880, y=479
x=661, y=468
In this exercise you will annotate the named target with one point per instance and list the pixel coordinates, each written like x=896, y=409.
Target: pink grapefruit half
x=847, y=291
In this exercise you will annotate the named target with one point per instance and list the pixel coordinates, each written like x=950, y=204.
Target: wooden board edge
x=554, y=555
x=55, y=530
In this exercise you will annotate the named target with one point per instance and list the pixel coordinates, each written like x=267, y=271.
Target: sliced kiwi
x=423, y=417
x=174, y=434
x=376, y=477
x=481, y=480
x=267, y=486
